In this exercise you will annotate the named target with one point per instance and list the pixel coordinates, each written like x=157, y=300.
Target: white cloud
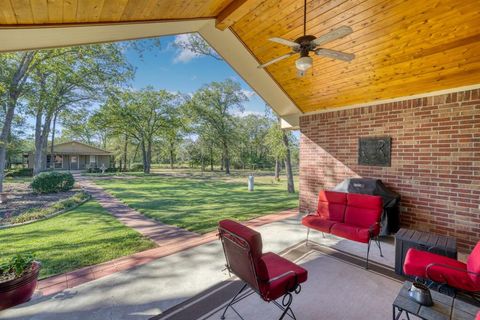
x=238, y=113
x=248, y=93
x=183, y=55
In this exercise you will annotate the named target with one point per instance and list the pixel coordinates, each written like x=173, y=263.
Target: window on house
x=58, y=161
x=92, y=161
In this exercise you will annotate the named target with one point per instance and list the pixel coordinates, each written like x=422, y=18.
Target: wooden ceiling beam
x=234, y=12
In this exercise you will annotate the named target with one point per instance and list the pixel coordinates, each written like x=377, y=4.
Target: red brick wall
x=435, y=158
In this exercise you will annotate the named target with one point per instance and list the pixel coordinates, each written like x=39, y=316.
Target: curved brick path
x=160, y=233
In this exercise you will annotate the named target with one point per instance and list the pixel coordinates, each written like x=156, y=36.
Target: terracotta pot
x=19, y=290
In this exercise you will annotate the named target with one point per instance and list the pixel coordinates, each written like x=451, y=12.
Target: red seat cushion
x=363, y=211
x=272, y=265
x=331, y=205
x=417, y=261
x=318, y=223
x=350, y=232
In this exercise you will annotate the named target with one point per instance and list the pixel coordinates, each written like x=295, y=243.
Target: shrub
x=20, y=172
x=135, y=167
x=47, y=182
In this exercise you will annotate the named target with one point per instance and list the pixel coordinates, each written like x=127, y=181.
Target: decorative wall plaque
x=374, y=151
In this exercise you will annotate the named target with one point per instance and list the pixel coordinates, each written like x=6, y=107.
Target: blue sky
x=175, y=70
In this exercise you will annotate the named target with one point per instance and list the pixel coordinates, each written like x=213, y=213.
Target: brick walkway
x=160, y=233
x=169, y=239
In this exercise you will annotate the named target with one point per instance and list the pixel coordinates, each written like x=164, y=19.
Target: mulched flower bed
x=21, y=198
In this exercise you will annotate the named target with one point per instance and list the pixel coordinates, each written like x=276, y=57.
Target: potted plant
x=18, y=279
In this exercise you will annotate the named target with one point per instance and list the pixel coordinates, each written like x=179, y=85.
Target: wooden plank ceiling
x=29, y=12
x=402, y=47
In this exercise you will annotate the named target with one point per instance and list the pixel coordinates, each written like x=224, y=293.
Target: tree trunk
x=14, y=91
x=53, y=136
x=288, y=165
x=144, y=156
x=45, y=133
x=227, y=160
x=4, y=137
x=135, y=153
x=277, y=169
x=211, y=159
x=125, y=149
x=171, y=155
x=37, y=156
x=149, y=155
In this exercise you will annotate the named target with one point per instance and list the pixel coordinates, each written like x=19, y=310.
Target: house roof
x=403, y=48
x=79, y=148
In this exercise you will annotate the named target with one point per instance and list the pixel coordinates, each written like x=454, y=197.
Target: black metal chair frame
x=287, y=299
x=371, y=237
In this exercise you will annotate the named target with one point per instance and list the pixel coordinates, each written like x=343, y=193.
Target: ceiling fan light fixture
x=304, y=63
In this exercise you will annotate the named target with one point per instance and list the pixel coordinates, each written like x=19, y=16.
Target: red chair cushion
x=252, y=237
x=272, y=265
x=417, y=261
x=363, y=210
x=350, y=232
x=331, y=205
x=473, y=264
x=317, y=223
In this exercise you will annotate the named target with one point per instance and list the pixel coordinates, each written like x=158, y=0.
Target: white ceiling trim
x=224, y=42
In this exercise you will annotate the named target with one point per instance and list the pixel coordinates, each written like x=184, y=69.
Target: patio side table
x=441, y=309
x=444, y=307
x=407, y=238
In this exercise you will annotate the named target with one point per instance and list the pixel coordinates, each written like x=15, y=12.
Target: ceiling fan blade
x=335, y=54
x=276, y=60
x=333, y=35
x=286, y=42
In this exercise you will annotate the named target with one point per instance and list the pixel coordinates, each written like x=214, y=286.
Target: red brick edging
x=71, y=279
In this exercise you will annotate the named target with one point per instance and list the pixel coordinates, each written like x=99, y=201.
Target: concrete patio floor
x=152, y=288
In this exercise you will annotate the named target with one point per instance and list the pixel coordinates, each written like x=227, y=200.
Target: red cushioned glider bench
x=348, y=215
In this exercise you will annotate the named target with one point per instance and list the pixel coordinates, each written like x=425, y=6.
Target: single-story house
x=74, y=155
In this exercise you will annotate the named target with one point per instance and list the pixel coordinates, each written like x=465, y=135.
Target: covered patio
x=404, y=109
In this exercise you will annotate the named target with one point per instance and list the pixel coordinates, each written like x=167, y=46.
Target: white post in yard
x=250, y=182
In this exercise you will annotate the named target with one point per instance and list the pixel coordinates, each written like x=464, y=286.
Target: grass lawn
x=197, y=204
x=85, y=236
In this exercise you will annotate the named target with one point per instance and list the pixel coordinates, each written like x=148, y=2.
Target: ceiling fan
x=308, y=43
